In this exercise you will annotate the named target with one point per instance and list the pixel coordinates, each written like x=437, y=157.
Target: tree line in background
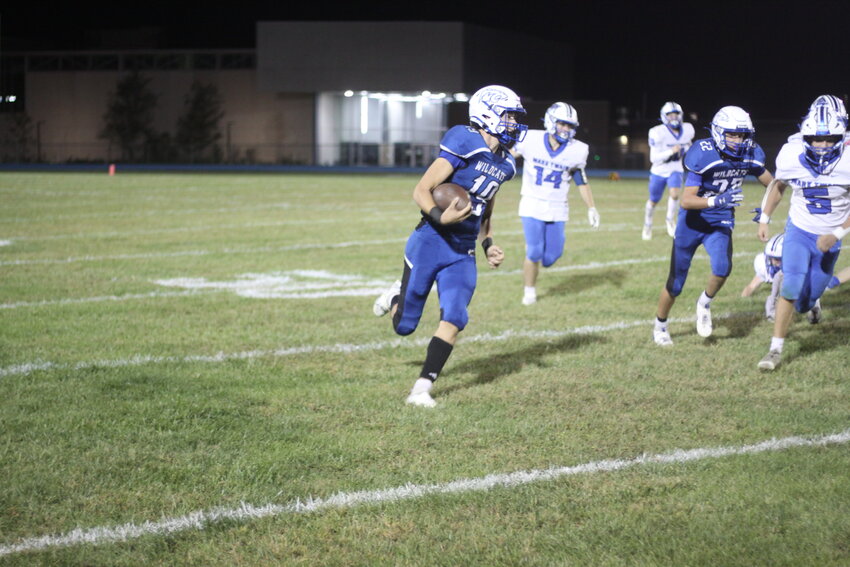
x=128, y=126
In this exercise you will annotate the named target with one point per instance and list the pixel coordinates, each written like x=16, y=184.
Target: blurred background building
x=309, y=93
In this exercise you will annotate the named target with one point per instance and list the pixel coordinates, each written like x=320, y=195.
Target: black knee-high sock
x=438, y=353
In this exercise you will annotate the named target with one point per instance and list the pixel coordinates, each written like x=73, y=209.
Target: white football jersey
x=661, y=142
x=820, y=203
x=546, y=175
x=760, y=268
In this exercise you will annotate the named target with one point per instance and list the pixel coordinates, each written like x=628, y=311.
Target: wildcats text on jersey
x=730, y=173
x=490, y=170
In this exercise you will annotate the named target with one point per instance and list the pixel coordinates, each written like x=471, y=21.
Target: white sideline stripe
x=341, y=500
x=137, y=360
x=72, y=301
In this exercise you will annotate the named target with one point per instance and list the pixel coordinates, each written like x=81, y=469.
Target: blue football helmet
x=773, y=250
x=488, y=108
x=561, y=112
x=667, y=109
x=733, y=120
x=824, y=122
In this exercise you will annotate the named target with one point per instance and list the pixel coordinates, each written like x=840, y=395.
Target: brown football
x=445, y=192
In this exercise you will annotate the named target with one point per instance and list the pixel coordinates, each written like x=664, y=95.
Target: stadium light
x=348, y=93
x=364, y=114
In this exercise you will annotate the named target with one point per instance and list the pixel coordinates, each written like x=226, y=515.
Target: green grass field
x=191, y=374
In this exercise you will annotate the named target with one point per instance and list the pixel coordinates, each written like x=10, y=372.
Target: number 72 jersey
x=713, y=173
x=819, y=202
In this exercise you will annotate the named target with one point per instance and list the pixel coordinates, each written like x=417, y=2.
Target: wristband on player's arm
x=436, y=215
x=840, y=232
x=486, y=244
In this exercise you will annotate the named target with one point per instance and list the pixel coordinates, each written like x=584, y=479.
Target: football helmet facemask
x=823, y=123
x=489, y=107
x=668, y=108
x=773, y=250
x=561, y=112
x=733, y=120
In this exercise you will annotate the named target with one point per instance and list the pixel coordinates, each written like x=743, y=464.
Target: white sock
x=659, y=326
x=777, y=343
x=421, y=385
x=672, y=208
x=705, y=300
x=647, y=214
x=532, y=291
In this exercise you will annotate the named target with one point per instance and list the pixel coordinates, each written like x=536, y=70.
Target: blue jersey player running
x=716, y=168
x=441, y=248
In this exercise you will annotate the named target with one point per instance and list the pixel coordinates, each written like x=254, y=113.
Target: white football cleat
x=647, y=232
x=814, y=316
x=770, y=360
x=671, y=228
x=704, y=327
x=421, y=399
x=383, y=303
x=529, y=298
x=662, y=337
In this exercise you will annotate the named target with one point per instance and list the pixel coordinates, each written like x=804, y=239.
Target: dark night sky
x=772, y=58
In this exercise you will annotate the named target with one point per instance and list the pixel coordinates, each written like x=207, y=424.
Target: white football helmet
x=561, y=112
x=667, y=109
x=824, y=122
x=733, y=120
x=487, y=109
x=833, y=102
x=773, y=249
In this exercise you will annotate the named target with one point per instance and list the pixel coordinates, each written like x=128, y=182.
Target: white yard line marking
x=167, y=230
x=129, y=296
x=199, y=520
x=143, y=213
x=361, y=292
x=150, y=255
x=306, y=246
x=139, y=359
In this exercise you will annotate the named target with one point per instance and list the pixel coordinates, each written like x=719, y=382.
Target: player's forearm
x=691, y=201
x=843, y=230
x=586, y=195
x=660, y=157
x=437, y=172
x=772, y=196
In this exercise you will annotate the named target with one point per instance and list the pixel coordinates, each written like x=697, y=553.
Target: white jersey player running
x=668, y=143
x=816, y=169
x=552, y=157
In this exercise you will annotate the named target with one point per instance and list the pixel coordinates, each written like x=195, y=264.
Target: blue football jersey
x=714, y=173
x=478, y=170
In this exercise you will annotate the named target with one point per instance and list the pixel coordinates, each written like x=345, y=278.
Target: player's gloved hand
x=727, y=199
x=593, y=217
x=757, y=213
